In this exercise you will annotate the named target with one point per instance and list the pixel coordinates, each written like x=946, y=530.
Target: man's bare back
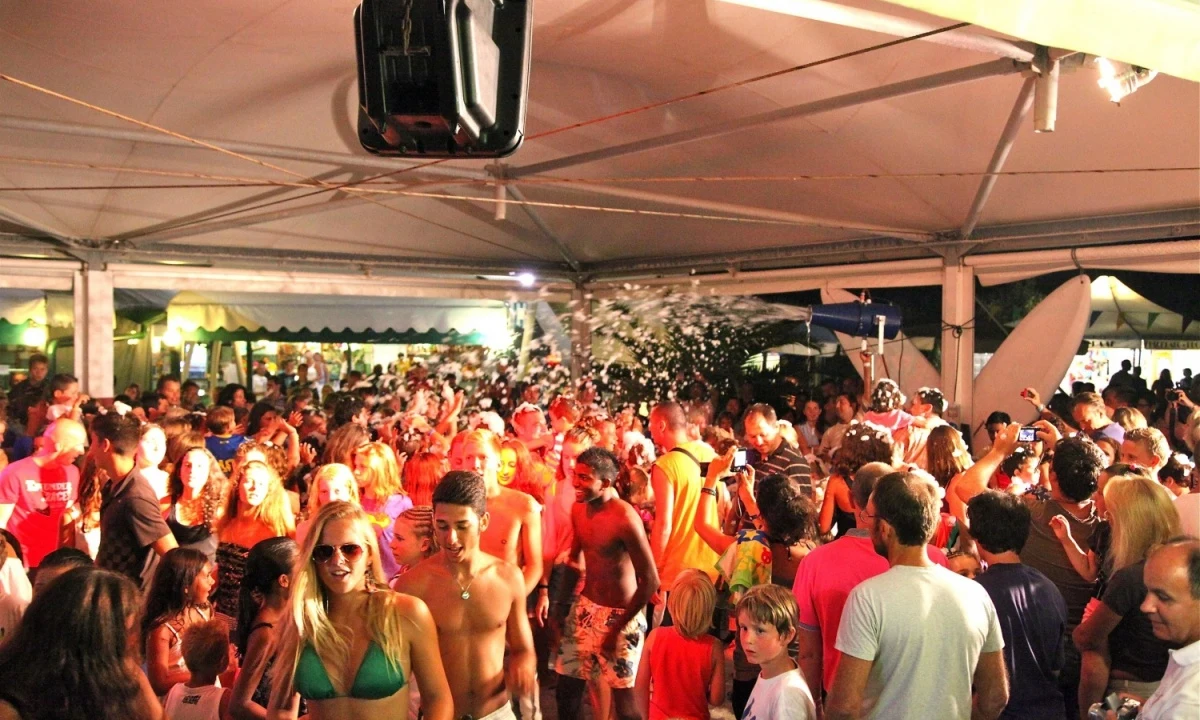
x=472, y=631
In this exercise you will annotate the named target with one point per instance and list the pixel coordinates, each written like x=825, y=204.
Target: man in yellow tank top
x=677, y=479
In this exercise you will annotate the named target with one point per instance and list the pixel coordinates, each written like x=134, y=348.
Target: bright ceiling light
x=172, y=337
x=1120, y=79
x=527, y=279
x=34, y=336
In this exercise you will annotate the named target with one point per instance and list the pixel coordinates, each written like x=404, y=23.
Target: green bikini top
x=376, y=677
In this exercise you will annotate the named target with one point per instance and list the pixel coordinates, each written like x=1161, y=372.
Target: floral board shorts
x=583, y=635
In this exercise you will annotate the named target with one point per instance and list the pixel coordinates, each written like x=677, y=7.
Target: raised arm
x=706, y=521
x=1084, y=563
x=974, y=480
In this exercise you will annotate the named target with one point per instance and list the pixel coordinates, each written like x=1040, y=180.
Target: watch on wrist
x=709, y=491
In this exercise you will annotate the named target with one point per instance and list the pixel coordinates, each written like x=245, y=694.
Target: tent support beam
x=198, y=222
x=348, y=160
x=1004, y=146
x=743, y=210
x=862, y=19
x=581, y=332
x=971, y=73
x=958, y=336
x=537, y=220
x=94, y=320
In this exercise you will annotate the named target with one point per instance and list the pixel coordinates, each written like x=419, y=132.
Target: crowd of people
x=401, y=548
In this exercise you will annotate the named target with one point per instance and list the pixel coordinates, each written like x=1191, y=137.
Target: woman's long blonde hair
x=308, y=622
x=275, y=511
x=1143, y=516
x=378, y=471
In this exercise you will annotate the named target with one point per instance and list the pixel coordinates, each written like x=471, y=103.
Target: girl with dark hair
x=264, y=600
x=267, y=427
x=198, y=491
x=863, y=443
x=71, y=658
x=178, y=597
x=233, y=396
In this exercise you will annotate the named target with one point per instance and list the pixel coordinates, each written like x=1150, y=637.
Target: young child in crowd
x=682, y=670
x=224, y=442
x=206, y=651
x=767, y=618
x=412, y=538
x=65, y=398
x=964, y=563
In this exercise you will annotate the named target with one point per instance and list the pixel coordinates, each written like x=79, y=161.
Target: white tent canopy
x=874, y=156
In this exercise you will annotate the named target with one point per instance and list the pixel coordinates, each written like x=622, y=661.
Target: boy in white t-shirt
x=206, y=652
x=767, y=616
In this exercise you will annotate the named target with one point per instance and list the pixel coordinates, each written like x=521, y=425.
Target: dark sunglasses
x=324, y=553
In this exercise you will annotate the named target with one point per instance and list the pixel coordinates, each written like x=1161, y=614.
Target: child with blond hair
x=683, y=667
x=767, y=617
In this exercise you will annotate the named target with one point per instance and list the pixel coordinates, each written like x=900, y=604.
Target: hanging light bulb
x=1120, y=79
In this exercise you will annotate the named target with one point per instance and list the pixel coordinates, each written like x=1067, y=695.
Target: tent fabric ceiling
x=281, y=73
x=190, y=311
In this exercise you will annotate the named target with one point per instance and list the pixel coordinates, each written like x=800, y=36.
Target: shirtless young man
x=605, y=627
x=478, y=604
x=515, y=531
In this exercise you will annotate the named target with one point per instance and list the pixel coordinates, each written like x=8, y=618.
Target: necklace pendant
x=466, y=595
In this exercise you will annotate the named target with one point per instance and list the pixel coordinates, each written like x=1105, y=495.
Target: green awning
x=391, y=337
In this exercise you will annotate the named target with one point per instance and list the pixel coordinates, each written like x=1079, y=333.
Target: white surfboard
x=1036, y=354
x=908, y=366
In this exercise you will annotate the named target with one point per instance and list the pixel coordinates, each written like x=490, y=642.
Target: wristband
x=542, y=586
x=709, y=491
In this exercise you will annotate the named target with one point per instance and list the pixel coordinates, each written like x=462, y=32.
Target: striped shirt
x=786, y=461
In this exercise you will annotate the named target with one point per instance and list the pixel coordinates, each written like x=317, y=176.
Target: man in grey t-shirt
x=914, y=639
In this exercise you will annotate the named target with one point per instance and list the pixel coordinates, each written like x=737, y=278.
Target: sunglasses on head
x=324, y=553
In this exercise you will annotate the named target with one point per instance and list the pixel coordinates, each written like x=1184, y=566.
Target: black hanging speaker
x=443, y=78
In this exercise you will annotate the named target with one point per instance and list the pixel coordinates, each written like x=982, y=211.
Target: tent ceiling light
x=34, y=336
x=1120, y=79
x=527, y=279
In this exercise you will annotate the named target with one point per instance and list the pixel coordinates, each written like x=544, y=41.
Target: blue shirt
x=1033, y=620
x=224, y=449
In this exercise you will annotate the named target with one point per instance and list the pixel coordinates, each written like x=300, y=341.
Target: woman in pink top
x=682, y=670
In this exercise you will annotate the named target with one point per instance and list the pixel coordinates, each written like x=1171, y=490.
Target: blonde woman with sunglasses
x=350, y=646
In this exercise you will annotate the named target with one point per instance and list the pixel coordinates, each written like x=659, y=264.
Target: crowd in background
x=840, y=544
